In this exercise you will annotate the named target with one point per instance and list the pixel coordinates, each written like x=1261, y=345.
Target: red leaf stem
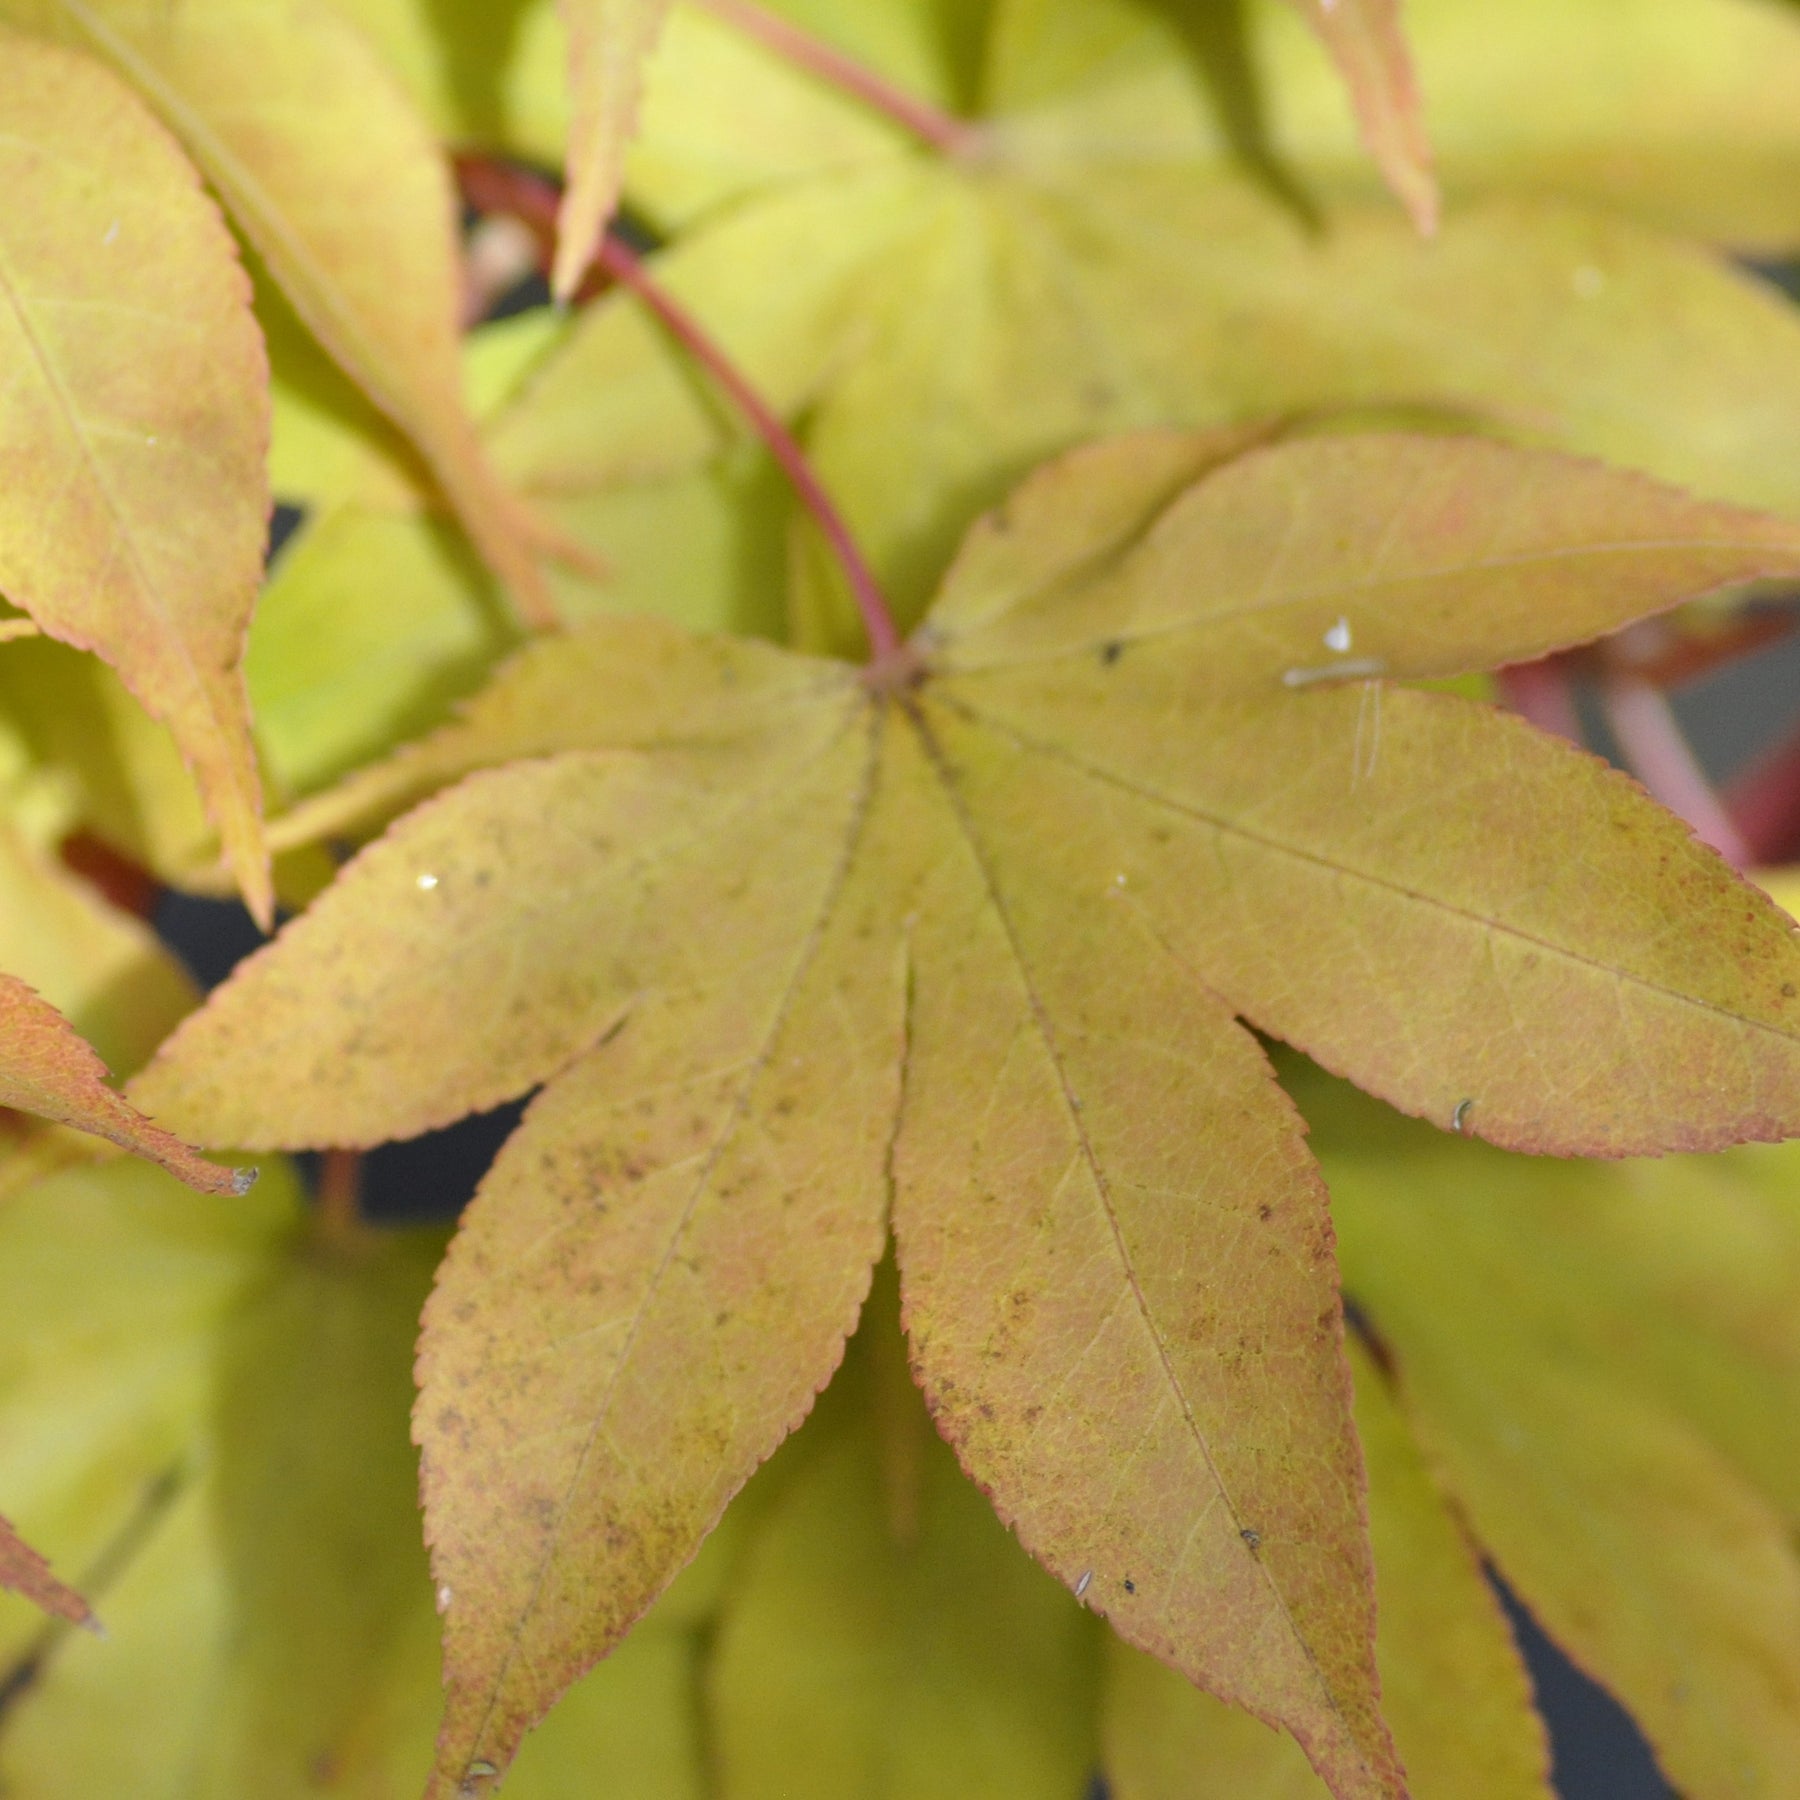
x=625, y=268
x=940, y=129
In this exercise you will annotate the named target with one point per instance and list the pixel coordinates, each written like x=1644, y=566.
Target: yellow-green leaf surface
x=1095, y=269
x=136, y=420
x=1366, y=43
x=104, y=969
x=608, y=42
x=1093, y=822
x=287, y=109
x=1452, y=1684
x=207, y=1409
x=1677, y=111
x=912, y=1651
x=1600, y=1362
x=47, y=1069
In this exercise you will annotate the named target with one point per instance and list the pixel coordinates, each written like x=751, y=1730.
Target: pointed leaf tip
x=49, y=1070
x=1366, y=42
x=608, y=43
x=24, y=1571
x=137, y=393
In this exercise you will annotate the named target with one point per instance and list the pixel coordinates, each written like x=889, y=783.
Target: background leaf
x=137, y=418
x=1453, y=1685
x=1591, y=1356
x=885, y=1636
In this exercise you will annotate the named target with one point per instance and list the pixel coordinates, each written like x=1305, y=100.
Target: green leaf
x=1594, y=1358
x=136, y=418
x=885, y=1636
x=1678, y=112
x=608, y=42
x=287, y=109
x=1099, y=270
x=1452, y=1683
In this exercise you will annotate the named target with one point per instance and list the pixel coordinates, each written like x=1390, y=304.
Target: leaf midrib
x=940, y=766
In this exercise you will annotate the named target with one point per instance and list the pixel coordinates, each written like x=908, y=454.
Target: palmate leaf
x=286, y=109
x=1097, y=270
x=1018, y=883
x=1452, y=1683
x=136, y=422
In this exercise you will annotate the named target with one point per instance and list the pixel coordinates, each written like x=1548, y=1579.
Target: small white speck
x=1081, y=1587
x=426, y=883
x=112, y=233
x=1362, y=665
x=1338, y=638
x=443, y=1598
x=150, y=440
x=1121, y=880
x=1460, y=1118
x=1587, y=281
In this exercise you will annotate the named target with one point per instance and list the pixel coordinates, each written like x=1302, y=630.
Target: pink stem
x=625, y=268
x=1645, y=725
x=925, y=121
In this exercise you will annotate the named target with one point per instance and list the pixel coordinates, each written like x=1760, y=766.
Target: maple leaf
x=711, y=938
x=133, y=521
x=286, y=108
x=1698, y=89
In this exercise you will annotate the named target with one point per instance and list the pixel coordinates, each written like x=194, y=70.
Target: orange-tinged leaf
x=1090, y=823
x=1366, y=43
x=47, y=1070
x=23, y=1571
x=136, y=424
x=1117, y=1268
x=608, y=42
x=657, y=1275
x=289, y=111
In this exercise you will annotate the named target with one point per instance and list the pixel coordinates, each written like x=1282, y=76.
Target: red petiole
x=495, y=187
